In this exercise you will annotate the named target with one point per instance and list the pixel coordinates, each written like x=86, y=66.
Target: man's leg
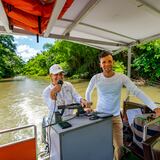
x=117, y=136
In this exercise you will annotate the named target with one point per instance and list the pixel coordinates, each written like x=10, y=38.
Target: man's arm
x=47, y=99
x=138, y=93
x=78, y=98
x=54, y=91
x=90, y=88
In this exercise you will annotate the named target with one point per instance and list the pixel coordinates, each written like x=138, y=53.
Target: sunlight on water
x=21, y=104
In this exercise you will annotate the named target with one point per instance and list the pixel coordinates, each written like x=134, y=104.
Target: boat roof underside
x=103, y=24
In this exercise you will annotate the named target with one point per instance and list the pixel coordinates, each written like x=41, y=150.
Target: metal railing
x=147, y=125
x=24, y=140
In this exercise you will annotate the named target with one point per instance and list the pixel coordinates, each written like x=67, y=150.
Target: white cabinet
x=85, y=140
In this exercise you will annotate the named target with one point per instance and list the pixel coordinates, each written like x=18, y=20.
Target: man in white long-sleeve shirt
x=60, y=94
x=108, y=85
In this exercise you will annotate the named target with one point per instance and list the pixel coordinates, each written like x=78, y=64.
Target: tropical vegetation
x=78, y=61
x=10, y=63
x=147, y=60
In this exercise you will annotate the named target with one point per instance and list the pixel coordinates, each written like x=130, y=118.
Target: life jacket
x=32, y=15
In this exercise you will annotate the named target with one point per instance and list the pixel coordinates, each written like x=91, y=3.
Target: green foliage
x=80, y=61
x=47, y=46
x=7, y=41
x=10, y=63
x=36, y=66
x=76, y=59
x=147, y=60
x=79, y=58
x=75, y=76
x=119, y=67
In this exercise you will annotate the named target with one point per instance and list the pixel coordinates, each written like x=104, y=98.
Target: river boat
x=103, y=24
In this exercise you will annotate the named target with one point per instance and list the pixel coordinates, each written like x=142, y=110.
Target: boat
x=103, y=24
x=24, y=149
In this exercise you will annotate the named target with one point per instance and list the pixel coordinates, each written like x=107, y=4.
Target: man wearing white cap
x=60, y=92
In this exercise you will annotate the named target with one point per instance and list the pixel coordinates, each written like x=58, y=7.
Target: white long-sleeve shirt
x=67, y=95
x=109, y=92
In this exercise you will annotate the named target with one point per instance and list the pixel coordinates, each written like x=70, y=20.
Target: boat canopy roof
x=103, y=24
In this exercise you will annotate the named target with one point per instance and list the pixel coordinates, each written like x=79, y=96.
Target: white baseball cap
x=55, y=69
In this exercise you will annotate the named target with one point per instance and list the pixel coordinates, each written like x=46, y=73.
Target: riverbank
x=17, y=78
x=143, y=82
x=138, y=82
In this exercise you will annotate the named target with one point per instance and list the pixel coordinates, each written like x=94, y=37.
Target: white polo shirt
x=67, y=95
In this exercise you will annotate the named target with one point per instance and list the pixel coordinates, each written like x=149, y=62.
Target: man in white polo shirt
x=60, y=94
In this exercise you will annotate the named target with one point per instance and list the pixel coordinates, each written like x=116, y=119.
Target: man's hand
x=85, y=103
x=54, y=91
x=157, y=111
x=88, y=110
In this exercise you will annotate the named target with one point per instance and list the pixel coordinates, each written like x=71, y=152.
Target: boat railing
x=23, y=149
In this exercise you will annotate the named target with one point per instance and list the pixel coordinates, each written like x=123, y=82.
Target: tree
x=47, y=46
x=36, y=66
x=10, y=63
x=7, y=41
x=78, y=61
x=147, y=58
